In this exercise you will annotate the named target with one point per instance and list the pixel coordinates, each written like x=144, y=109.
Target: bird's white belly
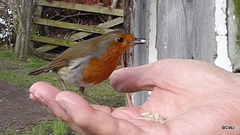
x=73, y=73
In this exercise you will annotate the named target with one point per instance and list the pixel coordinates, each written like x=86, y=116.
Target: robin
x=92, y=61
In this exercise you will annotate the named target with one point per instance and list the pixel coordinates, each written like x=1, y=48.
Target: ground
x=17, y=111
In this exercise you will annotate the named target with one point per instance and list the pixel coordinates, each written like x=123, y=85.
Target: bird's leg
x=129, y=100
x=86, y=95
x=63, y=84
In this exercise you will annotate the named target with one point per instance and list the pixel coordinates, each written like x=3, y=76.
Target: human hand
x=196, y=97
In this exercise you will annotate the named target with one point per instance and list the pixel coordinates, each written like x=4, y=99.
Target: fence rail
x=81, y=7
x=83, y=30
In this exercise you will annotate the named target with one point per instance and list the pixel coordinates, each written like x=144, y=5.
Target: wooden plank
x=49, y=56
x=89, y=30
x=234, y=34
x=184, y=29
x=187, y=30
x=46, y=48
x=66, y=25
x=61, y=42
x=81, y=7
x=80, y=35
x=37, y=13
x=108, y=24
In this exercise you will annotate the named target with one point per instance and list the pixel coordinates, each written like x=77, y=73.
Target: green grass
x=55, y=127
x=60, y=128
x=14, y=71
x=10, y=131
x=43, y=129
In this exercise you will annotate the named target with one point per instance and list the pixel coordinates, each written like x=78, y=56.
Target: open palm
x=195, y=97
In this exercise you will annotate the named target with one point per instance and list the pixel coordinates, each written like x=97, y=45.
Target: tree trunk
x=24, y=10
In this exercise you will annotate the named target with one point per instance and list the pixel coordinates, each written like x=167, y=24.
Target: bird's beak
x=139, y=41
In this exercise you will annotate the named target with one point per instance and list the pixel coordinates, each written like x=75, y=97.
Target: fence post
x=233, y=34
x=140, y=27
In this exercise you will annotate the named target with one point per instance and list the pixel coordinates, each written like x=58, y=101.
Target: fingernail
x=31, y=90
x=37, y=99
x=66, y=104
x=68, y=101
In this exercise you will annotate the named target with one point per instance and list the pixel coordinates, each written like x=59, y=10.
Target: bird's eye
x=120, y=39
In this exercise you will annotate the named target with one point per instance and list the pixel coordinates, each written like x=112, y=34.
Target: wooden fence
x=173, y=29
x=84, y=30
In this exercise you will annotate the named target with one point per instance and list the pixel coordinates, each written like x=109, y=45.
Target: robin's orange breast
x=99, y=69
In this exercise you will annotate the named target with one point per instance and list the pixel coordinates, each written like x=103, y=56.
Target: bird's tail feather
x=39, y=71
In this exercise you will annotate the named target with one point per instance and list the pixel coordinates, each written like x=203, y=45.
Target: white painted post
x=222, y=59
x=152, y=36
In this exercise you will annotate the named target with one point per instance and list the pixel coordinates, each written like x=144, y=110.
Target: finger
x=93, y=121
x=42, y=89
x=45, y=94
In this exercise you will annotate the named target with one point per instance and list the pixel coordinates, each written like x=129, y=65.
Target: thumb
x=133, y=79
x=174, y=75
